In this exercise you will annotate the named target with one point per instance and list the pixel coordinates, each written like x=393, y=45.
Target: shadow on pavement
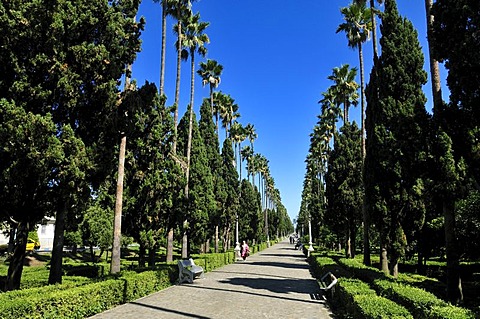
x=313, y=300
x=251, y=274
x=301, y=286
x=181, y=313
x=297, y=256
x=277, y=264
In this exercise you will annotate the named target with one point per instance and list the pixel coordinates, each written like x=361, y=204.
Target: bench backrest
x=187, y=263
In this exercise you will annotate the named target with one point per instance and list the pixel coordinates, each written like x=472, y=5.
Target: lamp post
x=310, y=244
x=237, y=244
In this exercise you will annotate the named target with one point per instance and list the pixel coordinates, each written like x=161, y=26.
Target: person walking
x=245, y=250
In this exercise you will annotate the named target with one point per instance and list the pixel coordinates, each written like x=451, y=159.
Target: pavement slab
x=273, y=283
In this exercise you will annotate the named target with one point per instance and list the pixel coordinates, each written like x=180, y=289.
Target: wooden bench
x=188, y=271
x=327, y=283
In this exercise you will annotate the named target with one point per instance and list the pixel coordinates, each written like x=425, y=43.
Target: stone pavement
x=274, y=283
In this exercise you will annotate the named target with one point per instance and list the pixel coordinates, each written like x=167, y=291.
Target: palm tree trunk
x=383, y=255
x=366, y=235
x=170, y=245
x=374, y=30
x=177, y=86
x=239, y=163
x=434, y=69
x=164, y=47
x=189, y=151
x=216, y=239
x=362, y=96
x=117, y=221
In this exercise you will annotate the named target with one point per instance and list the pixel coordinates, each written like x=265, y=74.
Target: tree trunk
x=141, y=255
x=177, y=86
x=383, y=256
x=163, y=50
x=151, y=257
x=15, y=268
x=434, y=69
x=374, y=30
x=216, y=239
x=170, y=245
x=117, y=221
x=187, y=173
x=11, y=239
x=394, y=268
x=55, y=275
x=353, y=236
x=454, y=282
x=92, y=254
x=185, y=240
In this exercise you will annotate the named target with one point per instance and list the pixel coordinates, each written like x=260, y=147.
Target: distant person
x=245, y=250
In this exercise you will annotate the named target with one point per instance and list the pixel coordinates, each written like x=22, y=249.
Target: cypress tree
x=153, y=181
x=454, y=40
x=201, y=200
x=212, y=148
x=249, y=213
x=345, y=186
x=396, y=143
x=231, y=185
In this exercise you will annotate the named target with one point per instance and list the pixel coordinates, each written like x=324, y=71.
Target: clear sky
x=276, y=57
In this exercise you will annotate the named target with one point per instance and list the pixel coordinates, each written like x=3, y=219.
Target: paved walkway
x=274, y=283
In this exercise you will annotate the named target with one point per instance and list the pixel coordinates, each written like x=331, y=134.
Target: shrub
x=376, y=307
x=450, y=312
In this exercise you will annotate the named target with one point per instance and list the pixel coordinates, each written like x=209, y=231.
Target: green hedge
x=79, y=302
x=417, y=300
x=420, y=303
x=78, y=297
x=354, y=297
x=376, y=307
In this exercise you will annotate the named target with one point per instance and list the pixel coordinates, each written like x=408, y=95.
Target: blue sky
x=276, y=57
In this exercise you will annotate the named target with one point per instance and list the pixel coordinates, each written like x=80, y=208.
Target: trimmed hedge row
x=71, y=300
x=358, y=299
x=418, y=301
x=321, y=265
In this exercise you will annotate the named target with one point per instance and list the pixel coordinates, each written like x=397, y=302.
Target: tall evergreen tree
x=231, y=185
x=69, y=66
x=396, y=142
x=454, y=40
x=212, y=148
x=200, y=200
x=154, y=182
x=344, y=191
x=250, y=218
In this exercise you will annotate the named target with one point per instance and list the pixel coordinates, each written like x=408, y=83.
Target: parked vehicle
x=32, y=245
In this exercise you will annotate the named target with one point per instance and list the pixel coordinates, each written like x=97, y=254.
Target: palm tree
x=228, y=113
x=373, y=19
x=250, y=133
x=357, y=27
x=345, y=88
x=194, y=41
x=237, y=135
x=210, y=72
x=247, y=154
